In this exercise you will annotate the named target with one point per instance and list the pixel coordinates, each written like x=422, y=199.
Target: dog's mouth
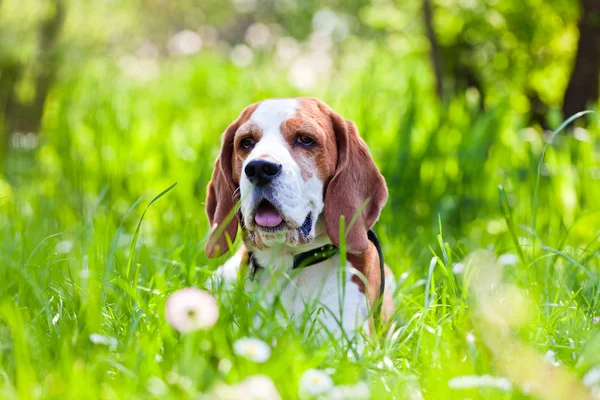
x=267, y=216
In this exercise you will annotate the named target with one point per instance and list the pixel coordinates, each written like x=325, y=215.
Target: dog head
x=296, y=167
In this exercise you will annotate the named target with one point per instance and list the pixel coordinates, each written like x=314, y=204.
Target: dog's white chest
x=323, y=294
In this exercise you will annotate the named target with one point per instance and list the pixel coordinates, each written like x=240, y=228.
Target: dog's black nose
x=262, y=172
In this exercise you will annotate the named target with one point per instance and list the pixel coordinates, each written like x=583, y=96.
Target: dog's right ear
x=222, y=194
x=220, y=202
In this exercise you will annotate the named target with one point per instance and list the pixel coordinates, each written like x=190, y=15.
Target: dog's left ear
x=222, y=194
x=356, y=187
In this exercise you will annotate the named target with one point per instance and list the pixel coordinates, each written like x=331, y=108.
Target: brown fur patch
x=367, y=264
x=247, y=129
x=326, y=159
x=321, y=159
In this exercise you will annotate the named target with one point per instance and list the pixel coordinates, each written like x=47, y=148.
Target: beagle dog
x=294, y=167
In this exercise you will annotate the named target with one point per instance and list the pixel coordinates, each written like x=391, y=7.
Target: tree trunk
x=27, y=117
x=585, y=78
x=434, y=48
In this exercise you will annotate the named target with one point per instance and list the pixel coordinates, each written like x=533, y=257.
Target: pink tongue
x=267, y=216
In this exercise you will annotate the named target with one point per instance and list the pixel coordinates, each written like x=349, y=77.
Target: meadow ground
x=477, y=201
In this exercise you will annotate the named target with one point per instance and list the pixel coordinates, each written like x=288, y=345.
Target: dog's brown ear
x=356, y=189
x=220, y=202
x=222, y=194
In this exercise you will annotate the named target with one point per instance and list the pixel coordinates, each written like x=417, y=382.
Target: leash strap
x=375, y=240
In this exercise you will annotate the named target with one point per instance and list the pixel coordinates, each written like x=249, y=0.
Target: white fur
x=227, y=274
x=295, y=197
x=314, y=292
x=343, y=306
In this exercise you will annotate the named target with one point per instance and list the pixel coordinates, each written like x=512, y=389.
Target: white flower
x=315, y=382
x=470, y=338
x=358, y=391
x=191, y=309
x=458, y=268
x=258, y=387
x=156, y=386
x=108, y=341
x=550, y=358
x=508, y=259
x=64, y=246
x=474, y=381
x=592, y=377
x=253, y=349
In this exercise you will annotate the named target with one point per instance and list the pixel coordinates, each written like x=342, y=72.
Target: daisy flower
x=358, y=391
x=258, y=387
x=508, y=259
x=474, y=381
x=64, y=246
x=107, y=341
x=253, y=349
x=315, y=382
x=191, y=309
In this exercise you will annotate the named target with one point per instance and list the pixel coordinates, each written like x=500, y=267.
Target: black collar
x=302, y=260
x=315, y=256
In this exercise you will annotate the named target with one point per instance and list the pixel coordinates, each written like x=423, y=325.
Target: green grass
x=76, y=259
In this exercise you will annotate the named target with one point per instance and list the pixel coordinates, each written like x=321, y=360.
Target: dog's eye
x=305, y=141
x=247, y=143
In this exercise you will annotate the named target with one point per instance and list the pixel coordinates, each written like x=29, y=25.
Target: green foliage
x=77, y=260
x=68, y=215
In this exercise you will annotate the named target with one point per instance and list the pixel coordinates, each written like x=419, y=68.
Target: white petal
x=253, y=349
x=458, y=268
x=108, y=341
x=474, y=381
x=191, y=309
x=315, y=382
x=508, y=259
x=64, y=246
x=259, y=387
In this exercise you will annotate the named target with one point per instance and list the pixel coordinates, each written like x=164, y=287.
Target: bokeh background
x=454, y=97
x=103, y=104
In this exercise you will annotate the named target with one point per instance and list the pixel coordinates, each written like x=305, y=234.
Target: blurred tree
x=27, y=75
x=434, y=48
x=516, y=52
x=585, y=77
